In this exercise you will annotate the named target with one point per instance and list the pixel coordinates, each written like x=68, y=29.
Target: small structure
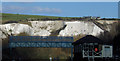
x=90, y=48
x=91, y=17
x=39, y=42
x=87, y=17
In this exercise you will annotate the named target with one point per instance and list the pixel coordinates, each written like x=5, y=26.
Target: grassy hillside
x=23, y=17
x=19, y=17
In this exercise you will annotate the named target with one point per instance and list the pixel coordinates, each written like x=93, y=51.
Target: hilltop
x=20, y=17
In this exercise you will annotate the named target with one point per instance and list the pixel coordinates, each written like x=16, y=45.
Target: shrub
x=10, y=22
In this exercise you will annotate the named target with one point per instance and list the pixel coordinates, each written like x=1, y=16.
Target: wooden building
x=90, y=48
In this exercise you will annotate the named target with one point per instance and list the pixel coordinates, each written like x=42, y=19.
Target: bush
x=23, y=34
x=10, y=22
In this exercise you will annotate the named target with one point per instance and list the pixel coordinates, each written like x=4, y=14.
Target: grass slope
x=6, y=17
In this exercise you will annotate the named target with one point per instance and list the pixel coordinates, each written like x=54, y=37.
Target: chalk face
x=80, y=27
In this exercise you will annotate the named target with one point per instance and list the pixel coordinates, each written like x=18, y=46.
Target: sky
x=64, y=9
x=60, y=0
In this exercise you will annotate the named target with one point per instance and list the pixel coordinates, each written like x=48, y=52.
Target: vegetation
x=78, y=37
x=109, y=19
x=20, y=17
x=23, y=34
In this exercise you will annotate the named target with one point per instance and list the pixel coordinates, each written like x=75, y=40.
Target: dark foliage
x=10, y=22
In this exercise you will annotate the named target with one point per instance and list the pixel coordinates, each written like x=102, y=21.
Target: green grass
x=23, y=19
x=16, y=17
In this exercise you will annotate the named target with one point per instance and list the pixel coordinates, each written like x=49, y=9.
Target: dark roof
x=40, y=38
x=88, y=39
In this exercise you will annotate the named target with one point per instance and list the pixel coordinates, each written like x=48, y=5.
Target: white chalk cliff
x=80, y=27
x=45, y=28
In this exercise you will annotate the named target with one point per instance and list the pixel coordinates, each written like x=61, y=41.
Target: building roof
x=88, y=39
x=40, y=38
